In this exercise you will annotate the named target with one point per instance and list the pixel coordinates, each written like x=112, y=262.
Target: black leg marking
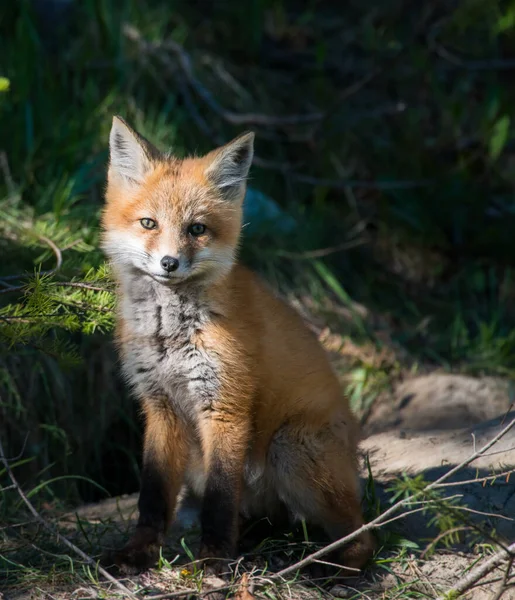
x=219, y=513
x=153, y=498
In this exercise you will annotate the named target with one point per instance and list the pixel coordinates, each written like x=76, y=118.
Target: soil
x=423, y=428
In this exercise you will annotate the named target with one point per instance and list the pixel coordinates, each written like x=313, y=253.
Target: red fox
x=241, y=404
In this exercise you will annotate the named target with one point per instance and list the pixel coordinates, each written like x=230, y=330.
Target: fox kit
x=240, y=401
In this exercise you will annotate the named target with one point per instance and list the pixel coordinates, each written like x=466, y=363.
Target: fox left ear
x=228, y=166
x=130, y=154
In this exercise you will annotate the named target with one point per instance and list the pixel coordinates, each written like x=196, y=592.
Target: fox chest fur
x=163, y=355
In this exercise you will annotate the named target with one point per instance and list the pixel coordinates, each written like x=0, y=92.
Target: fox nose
x=169, y=263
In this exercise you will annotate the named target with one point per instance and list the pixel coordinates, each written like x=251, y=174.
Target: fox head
x=173, y=219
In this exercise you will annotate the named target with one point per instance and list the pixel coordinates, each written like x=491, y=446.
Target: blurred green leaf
x=506, y=21
x=499, y=137
x=5, y=84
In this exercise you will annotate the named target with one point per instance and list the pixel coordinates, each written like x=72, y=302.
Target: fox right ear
x=228, y=166
x=130, y=154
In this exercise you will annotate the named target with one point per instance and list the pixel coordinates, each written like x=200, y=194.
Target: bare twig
x=55, y=250
x=222, y=73
x=354, y=88
x=503, y=586
x=479, y=479
x=493, y=64
x=80, y=285
x=20, y=453
x=74, y=284
x=442, y=535
x=503, y=451
x=482, y=513
x=58, y=535
x=321, y=252
x=341, y=184
x=58, y=258
x=484, y=567
x=378, y=521
x=6, y=171
x=5, y=489
x=196, y=593
x=10, y=290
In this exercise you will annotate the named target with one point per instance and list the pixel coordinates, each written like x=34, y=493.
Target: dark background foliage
x=385, y=160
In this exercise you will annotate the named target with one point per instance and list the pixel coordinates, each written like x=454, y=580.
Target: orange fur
x=278, y=409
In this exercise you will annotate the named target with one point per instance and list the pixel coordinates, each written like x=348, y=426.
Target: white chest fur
x=164, y=357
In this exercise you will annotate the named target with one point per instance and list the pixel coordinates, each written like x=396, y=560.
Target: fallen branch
x=194, y=593
x=58, y=535
x=485, y=567
x=503, y=587
x=379, y=521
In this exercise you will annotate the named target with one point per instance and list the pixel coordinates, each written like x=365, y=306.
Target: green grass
x=413, y=157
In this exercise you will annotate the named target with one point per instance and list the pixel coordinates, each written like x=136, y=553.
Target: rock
x=442, y=401
x=436, y=422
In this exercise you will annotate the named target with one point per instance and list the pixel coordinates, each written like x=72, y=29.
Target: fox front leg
x=225, y=441
x=164, y=460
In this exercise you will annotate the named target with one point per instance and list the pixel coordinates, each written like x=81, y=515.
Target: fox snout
x=169, y=263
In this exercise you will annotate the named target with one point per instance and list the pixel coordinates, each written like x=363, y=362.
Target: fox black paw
x=140, y=554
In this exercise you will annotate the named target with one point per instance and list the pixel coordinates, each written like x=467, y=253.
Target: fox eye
x=148, y=223
x=196, y=229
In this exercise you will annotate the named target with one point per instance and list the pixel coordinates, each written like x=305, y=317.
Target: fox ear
x=228, y=166
x=130, y=154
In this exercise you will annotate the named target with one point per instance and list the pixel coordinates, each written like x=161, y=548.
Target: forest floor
x=418, y=431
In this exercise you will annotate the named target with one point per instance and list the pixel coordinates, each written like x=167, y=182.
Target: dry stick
x=378, y=521
x=9, y=181
x=309, y=254
x=82, y=286
x=59, y=536
x=480, y=479
x=480, y=571
x=75, y=284
x=440, y=536
x=58, y=257
x=196, y=593
x=371, y=185
x=59, y=262
x=10, y=290
x=492, y=64
x=503, y=587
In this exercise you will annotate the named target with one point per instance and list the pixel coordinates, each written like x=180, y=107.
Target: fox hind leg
x=315, y=476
